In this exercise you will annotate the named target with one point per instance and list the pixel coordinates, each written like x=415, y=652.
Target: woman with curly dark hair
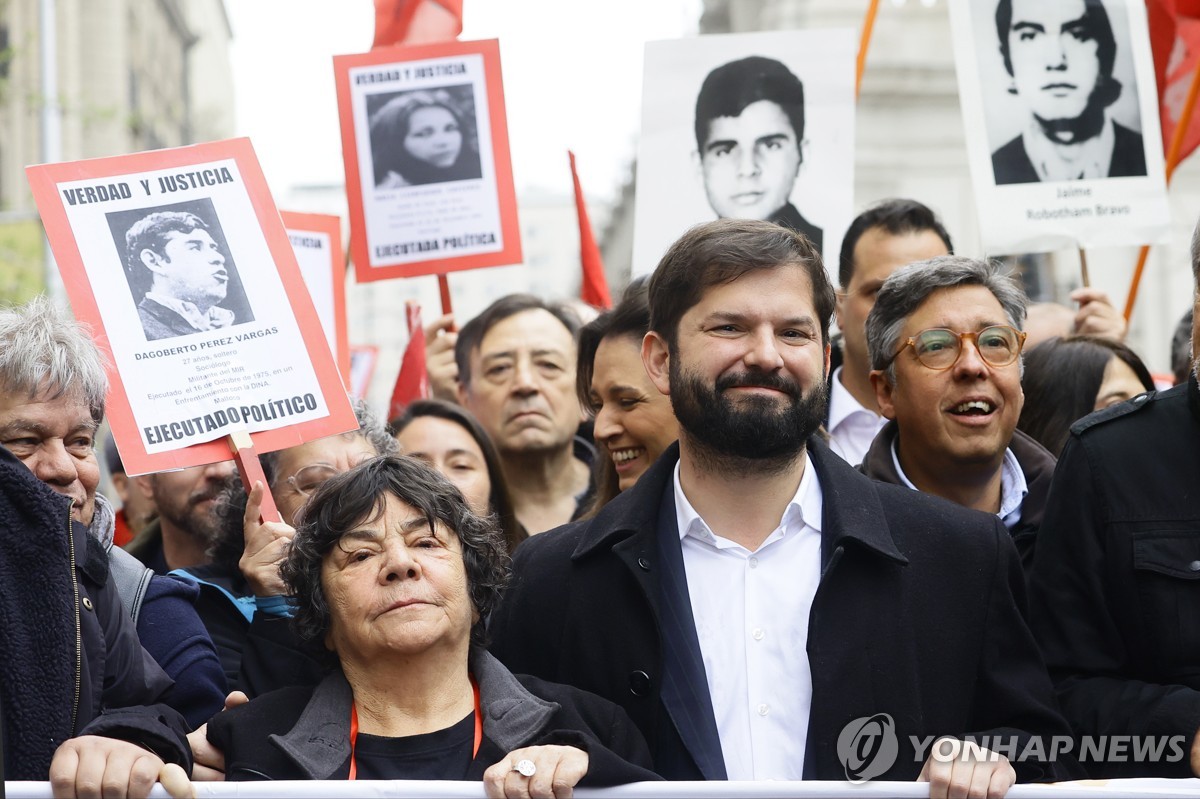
x=392, y=572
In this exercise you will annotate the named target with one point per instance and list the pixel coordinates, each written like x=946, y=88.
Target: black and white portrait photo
x=1078, y=119
x=1060, y=111
x=179, y=269
x=746, y=126
x=749, y=137
x=423, y=137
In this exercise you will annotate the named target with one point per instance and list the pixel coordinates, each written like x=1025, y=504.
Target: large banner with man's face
x=748, y=126
x=1061, y=114
x=179, y=262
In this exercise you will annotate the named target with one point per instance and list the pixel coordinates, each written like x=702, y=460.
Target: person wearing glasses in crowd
x=242, y=597
x=945, y=344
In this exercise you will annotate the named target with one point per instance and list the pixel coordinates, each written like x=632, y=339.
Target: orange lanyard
x=354, y=730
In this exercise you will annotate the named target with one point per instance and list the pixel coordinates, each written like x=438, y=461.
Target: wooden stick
x=251, y=471
x=444, y=289
x=1173, y=159
x=864, y=44
x=1083, y=269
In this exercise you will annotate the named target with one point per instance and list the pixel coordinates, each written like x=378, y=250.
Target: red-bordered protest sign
x=428, y=175
x=317, y=241
x=180, y=263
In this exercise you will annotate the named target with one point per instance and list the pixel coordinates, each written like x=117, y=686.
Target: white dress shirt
x=852, y=427
x=1087, y=160
x=1013, y=486
x=751, y=612
x=214, y=319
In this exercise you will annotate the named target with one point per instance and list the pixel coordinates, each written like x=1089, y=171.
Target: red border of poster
x=331, y=226
x=506, y=198
x=44, y=180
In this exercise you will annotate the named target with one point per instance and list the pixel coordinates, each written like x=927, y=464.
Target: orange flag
x=400, y=22
x=594, y=290
x=1175, y=41
x=413, y=381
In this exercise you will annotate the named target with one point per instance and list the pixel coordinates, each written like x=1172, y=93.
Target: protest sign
x=179, y=262
x=1061, y=115
x=363, y=358
x=751, y=126
x=317, y=241
x=428, y=175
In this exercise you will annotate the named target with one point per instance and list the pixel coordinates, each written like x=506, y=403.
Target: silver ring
x=525, y=768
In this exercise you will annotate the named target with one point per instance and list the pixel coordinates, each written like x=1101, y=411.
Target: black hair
x=731, y=87
x=470, y=338
x=1062, y=378
x=499, y=500
x=359, y=496
x=896, y=217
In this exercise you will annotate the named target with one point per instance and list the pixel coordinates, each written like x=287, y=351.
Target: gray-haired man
x=83, y=643
x=945, y=344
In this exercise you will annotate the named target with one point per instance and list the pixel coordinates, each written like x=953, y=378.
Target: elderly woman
x=394, y=574
x=242, y=599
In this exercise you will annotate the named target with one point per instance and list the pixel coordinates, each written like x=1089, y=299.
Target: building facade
x=131, y=75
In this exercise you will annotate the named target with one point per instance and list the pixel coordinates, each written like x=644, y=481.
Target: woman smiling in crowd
x=634, y=421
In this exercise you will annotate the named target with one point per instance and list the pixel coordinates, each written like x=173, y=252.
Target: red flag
x=400, y=22
x=1175, y=41
x=413, y=381
x=594, y=290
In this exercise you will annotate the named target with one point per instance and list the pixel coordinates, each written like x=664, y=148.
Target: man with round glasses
x=945, y=345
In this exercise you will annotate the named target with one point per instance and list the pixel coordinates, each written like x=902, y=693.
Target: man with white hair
x=52, y=391
x=68, y=649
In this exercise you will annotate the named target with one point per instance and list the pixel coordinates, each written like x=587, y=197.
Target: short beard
x=753, y=437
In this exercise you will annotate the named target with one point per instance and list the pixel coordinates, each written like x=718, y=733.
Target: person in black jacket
x=945, y=343
x=52, y=399
x=760, y=608
x=1114, y=591
x=70, y=662
x=392, y=571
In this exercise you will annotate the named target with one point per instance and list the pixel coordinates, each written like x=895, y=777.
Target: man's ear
x=144, y=484
x=460, y=388
x=656, y=356
x=828, y=353
x=838, y=305
x=883, y=394
x=150, y=259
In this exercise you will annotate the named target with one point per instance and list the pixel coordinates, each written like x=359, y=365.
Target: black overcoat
x=918, y=614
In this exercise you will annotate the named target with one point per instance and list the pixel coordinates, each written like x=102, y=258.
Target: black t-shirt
x=441, y=755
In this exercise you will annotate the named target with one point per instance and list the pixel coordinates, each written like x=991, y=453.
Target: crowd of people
x=697, y=537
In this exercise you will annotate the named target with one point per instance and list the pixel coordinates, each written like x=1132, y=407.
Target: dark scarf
x=37, y=621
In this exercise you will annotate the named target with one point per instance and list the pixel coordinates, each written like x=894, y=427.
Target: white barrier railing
x=436, y=789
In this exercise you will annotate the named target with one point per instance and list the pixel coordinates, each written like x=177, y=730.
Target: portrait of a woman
x=424, y=137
